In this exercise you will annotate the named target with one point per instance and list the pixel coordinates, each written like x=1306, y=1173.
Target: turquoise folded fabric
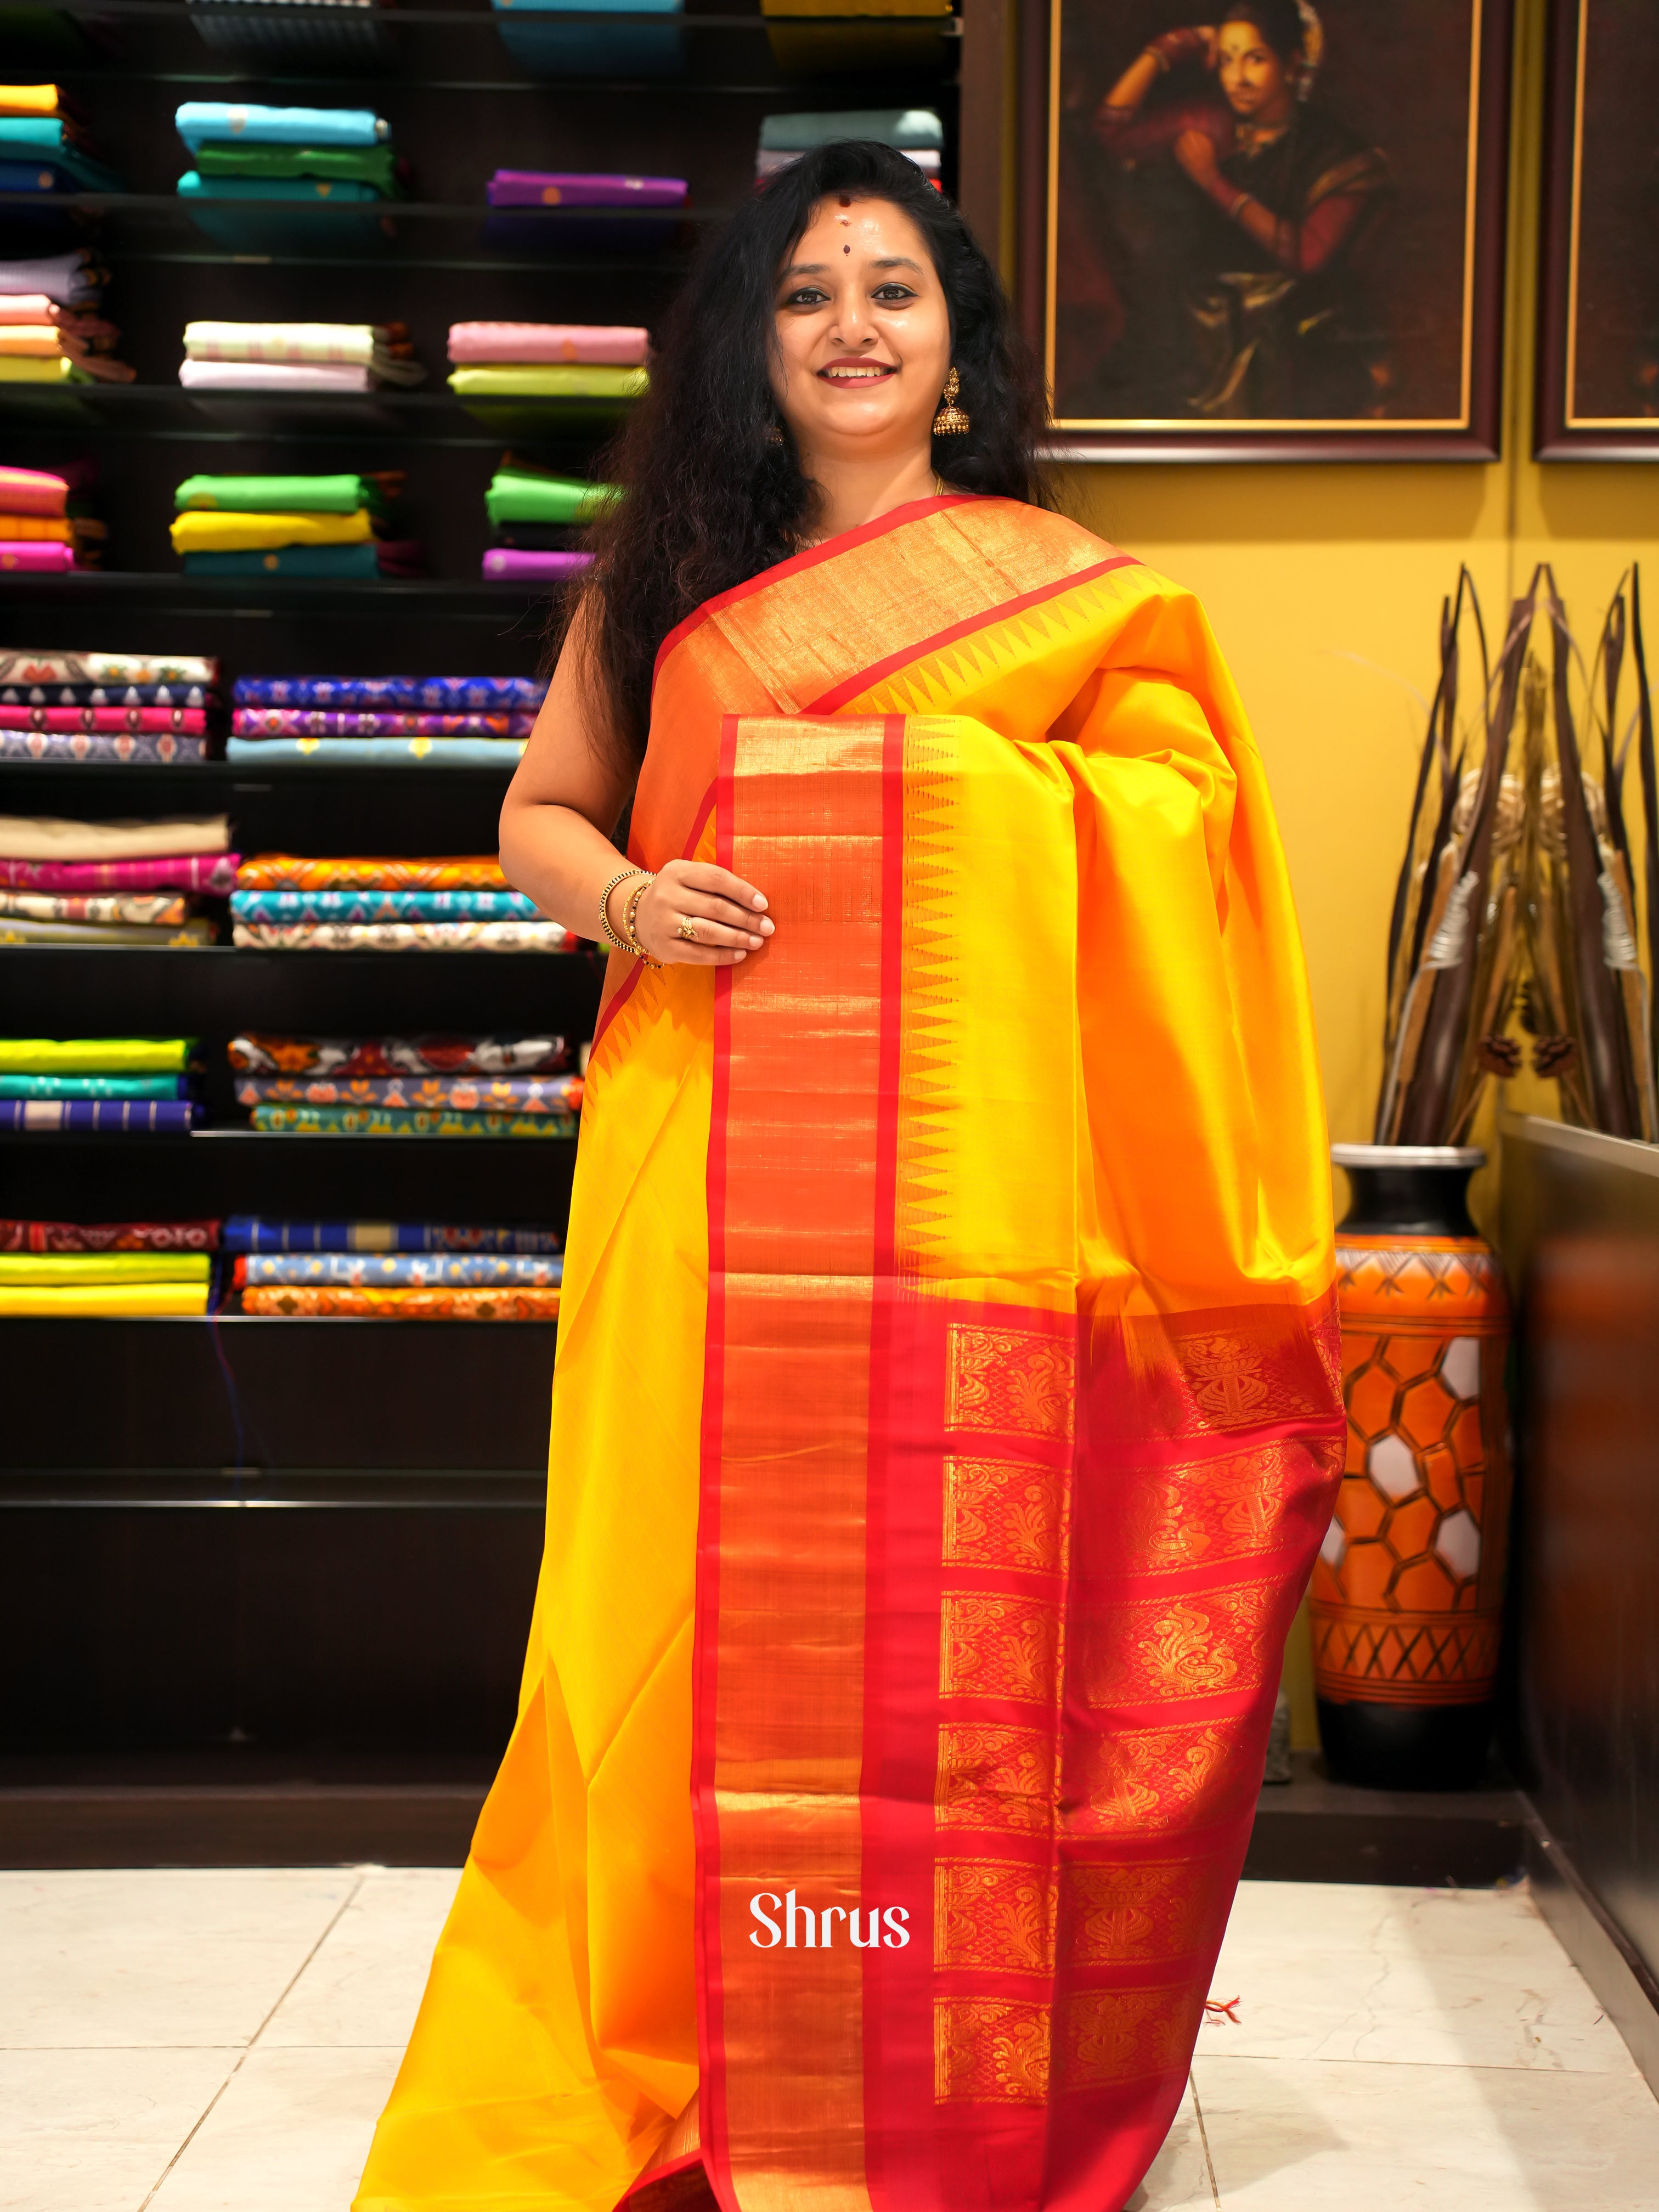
x=312, y=191
x=502, y=753
x=93, y=1086
x=311, y=561
x=226, y=123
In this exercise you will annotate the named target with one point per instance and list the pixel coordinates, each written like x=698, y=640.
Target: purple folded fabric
x=564, y=188
x=100, y=1116
x=512, y=564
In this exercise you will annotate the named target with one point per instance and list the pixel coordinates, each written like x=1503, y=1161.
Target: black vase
x=1406, y=1600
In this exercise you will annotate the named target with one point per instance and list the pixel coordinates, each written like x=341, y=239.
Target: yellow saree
x=945, y=1419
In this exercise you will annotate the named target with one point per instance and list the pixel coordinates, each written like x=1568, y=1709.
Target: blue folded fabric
x=218, y=122
x=533, y=35
x=335, y=562
x=100, y=1116
x=398, y=695
x=251, y=1232
x=309, y=190
x=502, y=753
x=383, y=906
x=64, y=170
x=93, y=1086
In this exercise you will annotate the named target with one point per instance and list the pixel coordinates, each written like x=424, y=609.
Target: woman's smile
x=857, y=372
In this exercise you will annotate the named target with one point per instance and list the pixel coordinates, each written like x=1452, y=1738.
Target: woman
x=1277, y=195
x=945, y=1418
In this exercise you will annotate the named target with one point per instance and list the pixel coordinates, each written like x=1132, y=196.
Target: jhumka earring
x=951, y=421
x=774, y=433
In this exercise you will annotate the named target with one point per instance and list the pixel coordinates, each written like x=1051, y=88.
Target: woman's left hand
x=1196, y=151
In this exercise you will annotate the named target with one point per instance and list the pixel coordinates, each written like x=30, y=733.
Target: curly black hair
x=710, y=498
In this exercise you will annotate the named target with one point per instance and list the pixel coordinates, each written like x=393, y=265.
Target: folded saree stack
x=421, y=1086
x=383, y=721
x=45, y=529
x=537, y=518
x=136, y=882
x=394, y=1270
x=463, y=904
x=335, y=527
x=109, y=707
x=43, y=146
x=96, y=1086
x=340, y=357
x=299, y=162
x=917, y=132
x=50, y=331
x=547, y=360
x=69, y=1270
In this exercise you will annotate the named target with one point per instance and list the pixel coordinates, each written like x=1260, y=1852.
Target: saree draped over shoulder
x=946, y=1418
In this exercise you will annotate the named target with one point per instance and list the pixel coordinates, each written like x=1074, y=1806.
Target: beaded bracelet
x=631, y=910
x=611, y=937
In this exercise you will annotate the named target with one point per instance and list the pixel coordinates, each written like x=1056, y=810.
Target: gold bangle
x=629, y=912
x=611, y=937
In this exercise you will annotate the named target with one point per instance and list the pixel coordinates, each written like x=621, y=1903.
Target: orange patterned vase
x=1407, y=1590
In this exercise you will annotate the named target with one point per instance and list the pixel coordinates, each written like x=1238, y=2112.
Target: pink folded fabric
x=273, y=376
x=181, y=872
x=619, y=343
x=515, y=565
x=32, y=491
x=30, y=555
x=189, y=720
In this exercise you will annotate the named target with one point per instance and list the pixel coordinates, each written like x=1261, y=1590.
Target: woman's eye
x=893, y=295
x=808, y=296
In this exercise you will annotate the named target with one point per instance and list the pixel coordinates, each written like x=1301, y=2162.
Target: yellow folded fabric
x=21, y=368
x=94, y=1055
x=553, y=380
x=33, y=341
x=64, y=1270
x=201, y=531
x=28, y=100
x=78, y=1300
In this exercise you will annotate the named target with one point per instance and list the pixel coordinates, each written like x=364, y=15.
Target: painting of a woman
x=1213, y=248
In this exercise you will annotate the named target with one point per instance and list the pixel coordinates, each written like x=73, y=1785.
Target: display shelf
x=345, y=599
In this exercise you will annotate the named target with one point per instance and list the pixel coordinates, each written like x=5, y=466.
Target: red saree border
x=840, y=695
x=705, y=1673
x=845, y=541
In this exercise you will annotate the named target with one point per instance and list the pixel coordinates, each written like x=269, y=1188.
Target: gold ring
x=686, y=930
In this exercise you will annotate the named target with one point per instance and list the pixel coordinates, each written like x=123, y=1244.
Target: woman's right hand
x=726, y=914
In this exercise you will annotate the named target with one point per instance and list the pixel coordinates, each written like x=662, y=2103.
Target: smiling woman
x=945, y=1418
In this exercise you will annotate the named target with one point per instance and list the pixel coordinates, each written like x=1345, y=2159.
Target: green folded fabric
x=281, y=495
x=92, y=1086
x=534, y=496
x=94, y=1055
x=55, y=1269
x=552, y=379
x=361, y=165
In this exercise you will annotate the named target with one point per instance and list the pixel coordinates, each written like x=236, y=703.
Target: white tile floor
x=222, y=2040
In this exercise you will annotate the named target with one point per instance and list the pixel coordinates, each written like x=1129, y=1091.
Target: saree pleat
x=947, y=1420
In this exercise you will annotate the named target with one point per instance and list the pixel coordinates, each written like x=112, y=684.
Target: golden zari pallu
x=946, y=1418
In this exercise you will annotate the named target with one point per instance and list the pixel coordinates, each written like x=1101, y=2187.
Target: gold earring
x=774, y=433
x=951, y=421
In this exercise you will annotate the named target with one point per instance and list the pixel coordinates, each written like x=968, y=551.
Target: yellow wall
x=1324, y=585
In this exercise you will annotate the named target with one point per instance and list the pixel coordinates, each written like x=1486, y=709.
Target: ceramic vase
x=1406, y=1598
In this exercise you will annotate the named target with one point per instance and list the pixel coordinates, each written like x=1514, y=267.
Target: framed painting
x=1267, y=229
x=1598, y=325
